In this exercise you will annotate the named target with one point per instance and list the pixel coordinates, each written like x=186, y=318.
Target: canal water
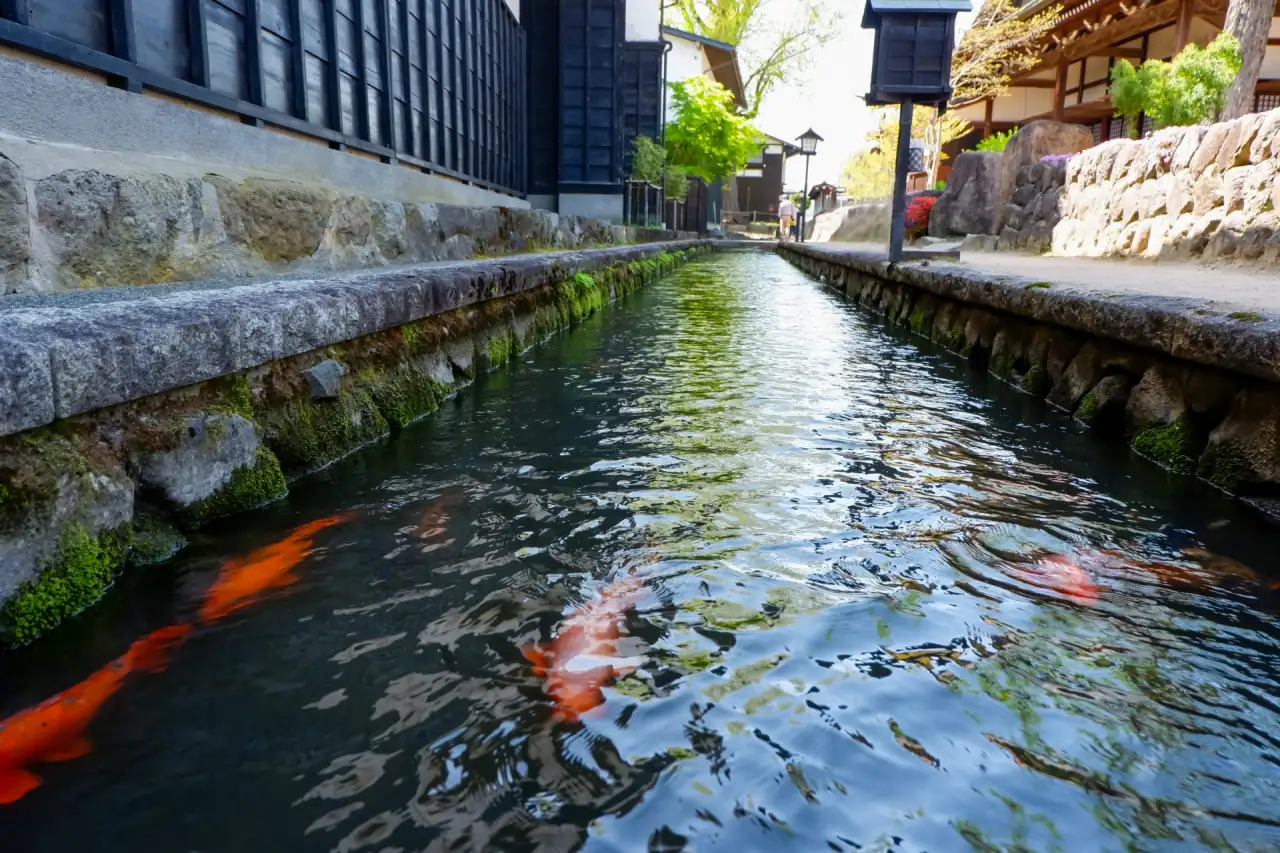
x=730, y=566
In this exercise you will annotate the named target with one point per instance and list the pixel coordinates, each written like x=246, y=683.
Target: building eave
x=724, y=62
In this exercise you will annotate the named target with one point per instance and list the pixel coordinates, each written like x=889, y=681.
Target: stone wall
x=131, y=415
x=1033, y=209
x=1199, y=394
x=74, y=229
x=863, y=222
x=981, y=184
x=1208, y=193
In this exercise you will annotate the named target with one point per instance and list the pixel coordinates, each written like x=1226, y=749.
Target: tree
x=648, y=159
x=707, y=137
x=927, y=125
x=771, y=47
x=1250, y=22
x=1191, y=89
x=868, y=174
x=997, y=48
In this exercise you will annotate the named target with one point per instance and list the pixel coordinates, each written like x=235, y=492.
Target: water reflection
x=728, y=567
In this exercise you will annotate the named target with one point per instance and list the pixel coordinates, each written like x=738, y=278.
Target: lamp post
x=808, y=147
x=923, y=32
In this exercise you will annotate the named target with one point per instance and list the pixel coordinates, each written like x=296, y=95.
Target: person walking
x=786, y=216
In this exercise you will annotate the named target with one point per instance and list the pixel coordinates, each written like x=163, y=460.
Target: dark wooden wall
x=591, y=37
x=541, y=20
x=435, y=83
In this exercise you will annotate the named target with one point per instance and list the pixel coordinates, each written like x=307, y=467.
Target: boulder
x=1104, y=404
x=1266, y=143
x=1207, y=154
x=276, y=220
x=1029, y=145
x=970, y=204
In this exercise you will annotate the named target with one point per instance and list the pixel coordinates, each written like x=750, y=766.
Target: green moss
x=403, y=395
x=234, y=395
x=410, y=335
x=308, y=434
x=1226, y=465
x=250, y=486
x=154, y=540
x=1088, y=408
x=917, y=320
x=83, y=568
x=1246, y=316
x=1002, y=365
x=1036, y=381
x=1039, y=285
x=1173, y=445
x=583, y=279
x=501, y=346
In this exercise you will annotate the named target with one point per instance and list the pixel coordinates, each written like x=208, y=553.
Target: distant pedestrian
x=786, y=219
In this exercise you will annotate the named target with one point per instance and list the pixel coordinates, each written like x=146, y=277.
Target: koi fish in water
x=582, y=659
x=244, y=579
x=54, y=730
x=1061, y=574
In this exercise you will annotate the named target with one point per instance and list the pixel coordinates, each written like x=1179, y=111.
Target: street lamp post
x=910, y=64
x=808, y=147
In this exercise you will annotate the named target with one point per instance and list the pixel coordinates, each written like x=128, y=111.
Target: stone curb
x=1175, y=326
x=59, y=361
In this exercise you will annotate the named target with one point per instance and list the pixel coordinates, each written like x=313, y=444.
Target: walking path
x=1222, y=290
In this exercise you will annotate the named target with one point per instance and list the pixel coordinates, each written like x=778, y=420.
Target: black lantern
x=809, y=142
x=808, y=147
x=911, y=64
x=912, y=56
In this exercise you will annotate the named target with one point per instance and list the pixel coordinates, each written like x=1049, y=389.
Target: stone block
x=1024, y=193
x=15, y=233
x=279, y=221
x=26, y=381
x=1266, y=143
x=1210, y=146
x=1207, y=193
x=1234, y=187
x=1179, y=198
x=324, y=380
x=1243, y=451
x=1235, y=147
x=1188, y=144
x=1104, y=404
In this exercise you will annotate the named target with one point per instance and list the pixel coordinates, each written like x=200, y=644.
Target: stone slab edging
x=67, y=354
x=1180, y=327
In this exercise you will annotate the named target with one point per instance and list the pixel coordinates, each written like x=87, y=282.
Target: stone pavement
x=1221, y=290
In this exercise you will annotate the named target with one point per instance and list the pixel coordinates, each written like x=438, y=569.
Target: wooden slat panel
x=161, y=37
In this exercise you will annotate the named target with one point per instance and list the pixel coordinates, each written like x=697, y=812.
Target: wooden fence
x=437, y=84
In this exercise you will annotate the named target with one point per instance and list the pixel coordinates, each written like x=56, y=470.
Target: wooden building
x=757, y=189
x=1070, y=83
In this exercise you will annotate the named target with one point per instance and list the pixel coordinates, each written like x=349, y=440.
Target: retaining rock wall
x=1033, y=209
x=1209, y=193
x=133, y=414
x=76, y=228
x=1197, y=394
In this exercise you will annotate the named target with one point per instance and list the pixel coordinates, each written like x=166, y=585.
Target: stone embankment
x=81, y=228
x=1210, y=193
x=1034, y=208
x=1196, y=391
x=128, y=415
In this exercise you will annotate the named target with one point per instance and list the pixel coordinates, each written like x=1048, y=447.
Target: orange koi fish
x=244, y=579
x=54, y=730
x=1062, y=575
x=581, y=660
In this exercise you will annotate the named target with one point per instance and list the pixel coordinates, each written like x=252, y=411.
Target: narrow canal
x=728, y=567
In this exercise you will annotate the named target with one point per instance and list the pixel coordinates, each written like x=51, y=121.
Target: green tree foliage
x=677, y=183
x=996, y=142
x=772, y=47
x=999, y=45
x=868, y=175
x=708, y=138
x=648, y=159
x=1189, y=90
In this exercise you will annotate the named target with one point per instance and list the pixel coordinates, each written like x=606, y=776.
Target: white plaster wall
x=644, y=20
x=1271, y=60
x=1017, y=104
x=685, y=60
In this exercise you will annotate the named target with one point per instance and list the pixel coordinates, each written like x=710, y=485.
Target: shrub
x=996, y=142
x=918, y=215
x=648, y=159
x=940, y=186
x=677, y=183
x=1189, y=90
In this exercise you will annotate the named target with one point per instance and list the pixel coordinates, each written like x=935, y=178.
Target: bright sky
x=826, y=97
